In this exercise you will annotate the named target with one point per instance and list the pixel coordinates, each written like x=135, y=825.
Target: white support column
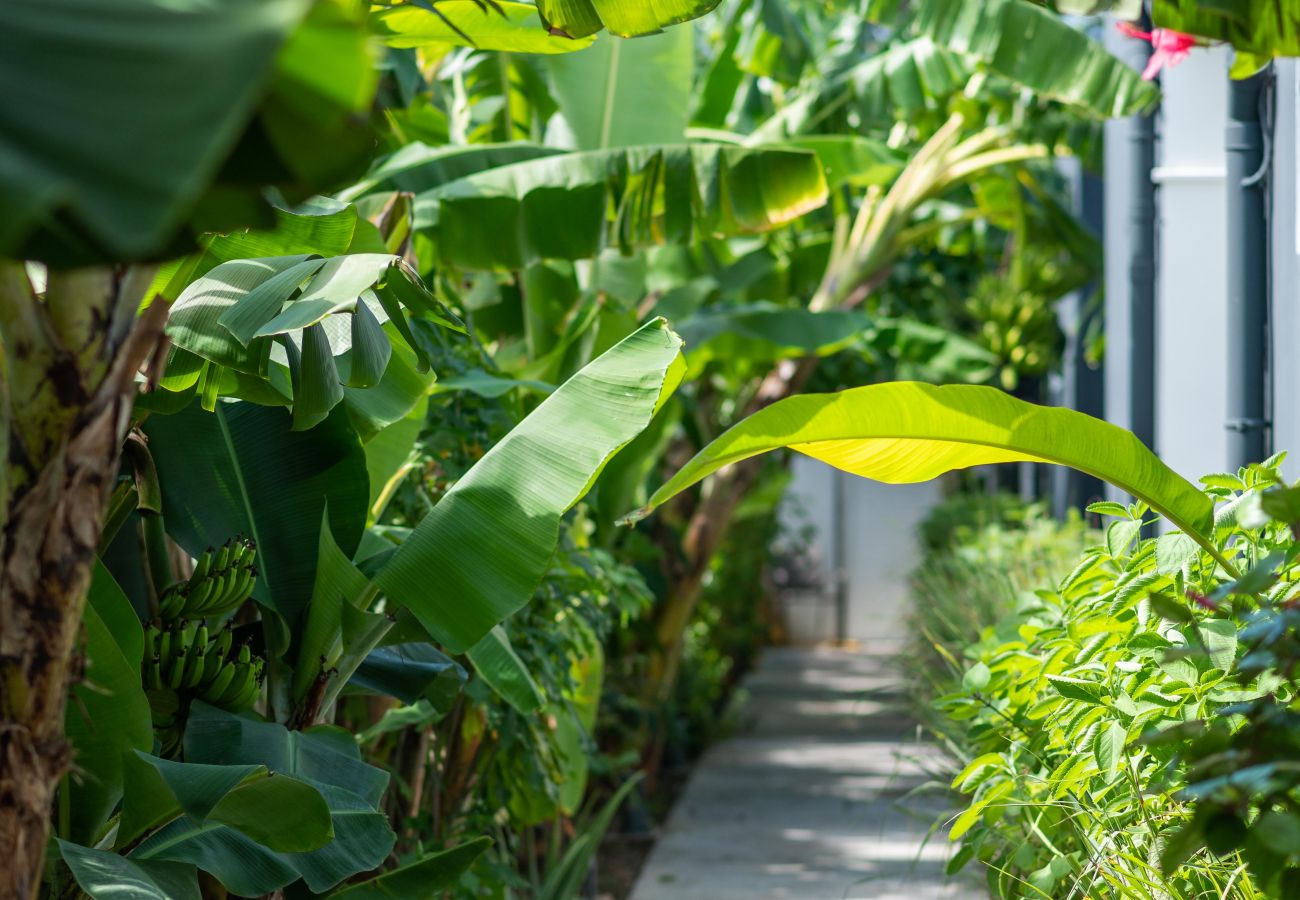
x=1191, y=298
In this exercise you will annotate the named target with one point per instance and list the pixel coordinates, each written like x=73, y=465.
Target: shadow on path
x=805, y=801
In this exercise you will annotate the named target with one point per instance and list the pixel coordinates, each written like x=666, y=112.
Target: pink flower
x=1201, y=600
x=1171, y=47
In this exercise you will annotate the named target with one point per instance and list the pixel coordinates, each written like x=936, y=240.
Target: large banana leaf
x=900, y=81
x=906, y=432
x=320, y=226
x=496, y=662
x=418, y=168
x=277, y=811
x=627, y=18
x=310, y=312
x=242, y=469
x=760, y=333
x=85, y=83
x=852, y=159
x=1033, y=47
x=510, y=217
x=104, y=875
x=410, y=672
x=339, y=632
x=479, y=554
x=108, y=714
x=425, y=879
x=497, y=25
x=625, y=93
x=325, y=758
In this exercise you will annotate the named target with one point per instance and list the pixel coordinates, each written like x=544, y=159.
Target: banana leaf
x=108, y=713
x=608, y=100
x=479, y=554
x=325, y=758
x=906, y=432
x=79, y=185
x=242, y=470
x=1035, y=48
x=424, y=879
x=277, y=811
x=105, y=875
x=500, y=25
x=580, y=18
x=506, y=218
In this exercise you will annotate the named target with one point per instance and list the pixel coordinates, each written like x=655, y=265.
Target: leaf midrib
x=611, y=92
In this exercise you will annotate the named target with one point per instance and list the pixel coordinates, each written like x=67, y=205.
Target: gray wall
x=880, y=522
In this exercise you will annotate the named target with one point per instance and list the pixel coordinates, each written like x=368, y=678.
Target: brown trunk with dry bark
x=69, y=359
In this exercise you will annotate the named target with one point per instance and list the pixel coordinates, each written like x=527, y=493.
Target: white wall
x=880, y=542
x=1286, y=268
x=1191, y=288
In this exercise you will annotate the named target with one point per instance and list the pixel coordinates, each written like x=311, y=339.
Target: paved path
x=806, y=801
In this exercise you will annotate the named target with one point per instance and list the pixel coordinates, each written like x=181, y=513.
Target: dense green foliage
x=360, y=357
x=1119, y=722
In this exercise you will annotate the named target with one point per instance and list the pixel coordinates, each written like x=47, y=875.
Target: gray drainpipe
x=1142, y=276
x=1131, y=247
x=1247, y=270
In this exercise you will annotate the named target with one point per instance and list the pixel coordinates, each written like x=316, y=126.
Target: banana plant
x=239, y=92
x=882, y=196
x=902, y=433
x=977, y=137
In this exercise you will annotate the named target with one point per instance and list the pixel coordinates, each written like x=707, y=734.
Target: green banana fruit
x=237, y=687
x=175, y=672
x=201, y=567
x=222, y=559
x=254, y=687
x=213, y=690
x=194, y=658
x=198, y=595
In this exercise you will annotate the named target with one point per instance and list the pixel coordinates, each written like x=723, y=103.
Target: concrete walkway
x=805, y=801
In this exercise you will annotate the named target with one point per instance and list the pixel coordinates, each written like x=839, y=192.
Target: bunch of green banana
x=184, y=658
x=223, y=579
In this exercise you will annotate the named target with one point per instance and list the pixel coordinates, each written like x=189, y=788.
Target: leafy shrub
x=986, y=554
x=1113, y=743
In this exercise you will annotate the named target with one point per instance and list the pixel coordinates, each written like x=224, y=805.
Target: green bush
x=1084, y=711
x=985, y=556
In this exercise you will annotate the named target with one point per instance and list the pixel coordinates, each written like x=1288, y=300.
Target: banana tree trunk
x=69, y=358
x=705, y=533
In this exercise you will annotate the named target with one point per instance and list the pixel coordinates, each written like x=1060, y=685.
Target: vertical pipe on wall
x=1142, y=279
x=1081, y=384
x=1247, y=270
x=1130, y=244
